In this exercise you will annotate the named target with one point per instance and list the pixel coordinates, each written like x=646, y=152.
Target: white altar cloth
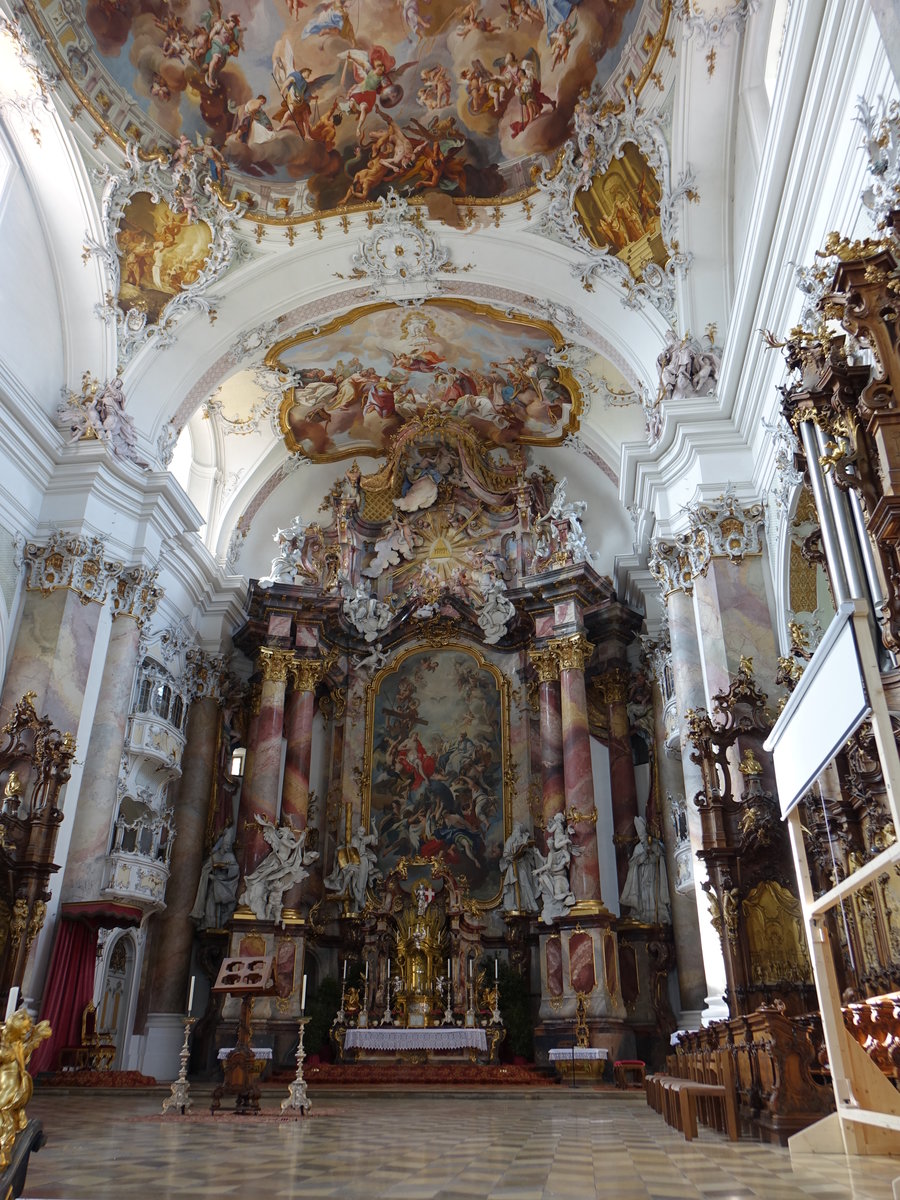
x=567, y=1053
x=415, y=1039
x=258, y=1052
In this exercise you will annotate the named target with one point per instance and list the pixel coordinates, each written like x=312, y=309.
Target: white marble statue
x=646, y=888
x=290, y=543
x=217, y=890
x=278, y=872
x=685, y=368
x=566, y=513
x=355, y=869
x=366, y=614
x=100, y=413
x=552, y=872
x=520, y=891
x=497, y=610
x=373, y=662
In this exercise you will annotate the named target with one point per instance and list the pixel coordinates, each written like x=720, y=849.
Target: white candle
x=191, y=995
x=469, y=967
x=448, y=969
x=367, y=970
x=496, y=968
x=389, y=968
x=303, y=998
x=13, y=1002
x=345, y=970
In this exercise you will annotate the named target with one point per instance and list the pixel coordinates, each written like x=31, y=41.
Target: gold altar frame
x=508, y=773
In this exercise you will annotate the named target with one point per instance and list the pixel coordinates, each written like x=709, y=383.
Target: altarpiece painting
x=437, y=722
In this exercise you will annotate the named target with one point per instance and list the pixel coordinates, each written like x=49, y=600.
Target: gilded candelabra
x=297, y=1099
x=181, y=1089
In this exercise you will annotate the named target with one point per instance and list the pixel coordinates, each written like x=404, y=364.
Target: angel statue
x=552, y=872
x=365, y=613
x=19, y=1037
x=290, y=544
x=278, y=872
x=355, y=869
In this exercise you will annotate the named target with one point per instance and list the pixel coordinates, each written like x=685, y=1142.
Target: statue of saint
x=217, y=890
x=646, y=890
x=278, y=872
x=520, y=892
x=552, y=872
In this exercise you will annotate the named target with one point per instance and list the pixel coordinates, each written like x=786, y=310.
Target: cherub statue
x=365, y=613
x=19, y=1037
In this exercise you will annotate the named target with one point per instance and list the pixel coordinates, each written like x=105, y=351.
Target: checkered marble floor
x=554, y=1145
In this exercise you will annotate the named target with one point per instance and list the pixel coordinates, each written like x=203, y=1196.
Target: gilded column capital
x=69, y=561
x=136, y=595
x=572, y=652
x=275, y=665
x=612, y=685
x=308, y=673
x=545, y=664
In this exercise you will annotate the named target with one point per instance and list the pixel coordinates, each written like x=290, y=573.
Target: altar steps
x=446, y=1074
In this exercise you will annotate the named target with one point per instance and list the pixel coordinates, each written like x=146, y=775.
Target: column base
x=690, y=1018
x=162, y=1046
x=716, y=1009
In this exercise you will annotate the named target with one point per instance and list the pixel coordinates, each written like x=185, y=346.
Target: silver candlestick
x=181, y=1089
x=297, y=1098
x=448, y=1006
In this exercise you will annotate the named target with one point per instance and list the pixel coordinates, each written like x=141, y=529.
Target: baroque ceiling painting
x=359, y=380
x=348, y=98
x=619, y=211
x=160, y=253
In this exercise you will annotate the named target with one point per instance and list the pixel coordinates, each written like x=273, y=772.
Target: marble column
x=584, y=873
x=264, y=772
x=553, y=782
x=98, y=795
x=613, y=688
x=299, y=714
x=687, y=670
x=174, y=931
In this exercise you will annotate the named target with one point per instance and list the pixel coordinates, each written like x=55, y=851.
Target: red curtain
x=70, y=986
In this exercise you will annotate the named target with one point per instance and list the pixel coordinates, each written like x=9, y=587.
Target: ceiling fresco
x=348, y=97
x=359, y=380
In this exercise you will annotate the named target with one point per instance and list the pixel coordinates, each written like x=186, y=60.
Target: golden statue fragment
x=19, y=1038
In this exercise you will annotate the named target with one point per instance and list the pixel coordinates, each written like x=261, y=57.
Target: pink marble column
x=613, y=688
x=552, y=775
x=299, y=714
x=52, y=657
x=261, y=796
x=174, y=931
x=97, y=796
x=584, y=872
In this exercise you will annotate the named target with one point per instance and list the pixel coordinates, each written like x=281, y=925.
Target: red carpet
x=445, y=1074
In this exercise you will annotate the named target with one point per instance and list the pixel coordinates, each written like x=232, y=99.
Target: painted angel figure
x=298, y=91
x=372, y=71
x=331, y=20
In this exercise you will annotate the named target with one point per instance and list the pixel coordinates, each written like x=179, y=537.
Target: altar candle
x=449, y=976
x=191, y=995
x=496, y=969
x=367, y=970
x=389, y=968
x=345, y=970
x=13, y=1002
x=469, y=967
x=303, y=998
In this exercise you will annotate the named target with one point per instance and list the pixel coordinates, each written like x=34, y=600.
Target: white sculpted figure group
x=290, y=544
x=100, y=413
x=497, y=610
x=646, y=887
x=566, y=532
x=279, y=871
x=365, y=613
x=355, y=869
x=685, y=368
x=532, y=880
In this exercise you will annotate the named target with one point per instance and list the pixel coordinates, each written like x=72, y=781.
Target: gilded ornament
x=546, y=665
x=750, y=764
x=574, y=815
x=18, y=1039
x=572, y=652
x=275, y=665
x=612, y=685
x=18, y=922
x=35, y=923
x=308, y=673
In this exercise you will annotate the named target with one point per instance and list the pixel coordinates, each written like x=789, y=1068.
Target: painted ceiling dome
x=324, y=105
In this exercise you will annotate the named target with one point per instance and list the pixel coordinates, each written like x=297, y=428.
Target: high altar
x=438, y=655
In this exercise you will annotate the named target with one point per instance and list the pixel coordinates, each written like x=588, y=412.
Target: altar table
x=448, y=1038
x=586, y=1061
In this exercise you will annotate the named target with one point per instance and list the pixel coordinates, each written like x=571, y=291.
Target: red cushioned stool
x=629, y=1072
